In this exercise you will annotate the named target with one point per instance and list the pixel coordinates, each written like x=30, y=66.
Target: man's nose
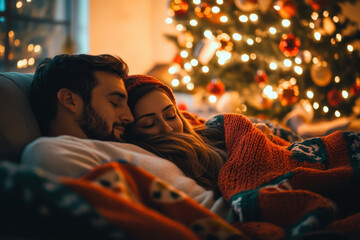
x=126, y=115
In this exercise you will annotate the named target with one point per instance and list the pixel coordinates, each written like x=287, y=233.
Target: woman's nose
x=165, y=128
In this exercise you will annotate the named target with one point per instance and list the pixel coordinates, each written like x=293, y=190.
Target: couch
x=18, y=125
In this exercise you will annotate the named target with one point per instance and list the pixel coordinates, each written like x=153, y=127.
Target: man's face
x=108, y=114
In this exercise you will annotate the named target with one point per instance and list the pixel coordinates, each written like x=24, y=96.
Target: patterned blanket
x=304, y=190
x=114, y=201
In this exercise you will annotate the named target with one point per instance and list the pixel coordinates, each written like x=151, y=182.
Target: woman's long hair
x=196, y=158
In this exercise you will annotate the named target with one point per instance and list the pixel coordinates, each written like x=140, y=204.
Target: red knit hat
x=138, y=86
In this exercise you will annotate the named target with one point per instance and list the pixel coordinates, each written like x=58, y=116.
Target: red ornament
x=334, y=97
x=178, y=59
x=216, y=87
x=179, y=8
x=182, y=106
x=261, y=77
x=288, y=93
x=289, y=45
x=287, y=8
x=318, y=4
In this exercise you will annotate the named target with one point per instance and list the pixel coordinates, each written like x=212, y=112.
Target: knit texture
x=299, y=187
x=134, y=82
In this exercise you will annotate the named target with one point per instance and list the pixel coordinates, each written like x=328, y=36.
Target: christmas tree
x=272, y=54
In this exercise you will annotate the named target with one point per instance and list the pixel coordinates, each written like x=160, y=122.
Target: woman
x=198, y=150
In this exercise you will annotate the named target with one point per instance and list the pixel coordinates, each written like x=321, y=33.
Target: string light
x=237, y=36
x=184, y=54
x=298, y=70
x=37, y=48
x=310, y=94
x=19, y=4
x=312, y=25
x=205, y=69
x=253, y=56
x=193, y=22
x=315, y=60
x=250, y=41
x=245, y=57
x=272, y=30
x=169, y=20
x=187, y=66
x=314, y=16
x=337, y=113
x=287, y=63
x=196, y=1
x=224, y=19
x=254, y=17
x=208, y=34
x=190, y=86
x=212, y=98
x=215, y=9
x=186, y=79
x=298, y=60
x=286, y=22
x=180, y=27
x=175, y=82
x=325, y=109
x=194, y=62
x=317, y=36
x=172, y=70
x=31, y=61
x=350, y=48
x=338, y=37
x=273, y=66
x=220, y=2
x=243, y=18
x=316, y=105
x=325, y=13
x=336, y=19
x=337, y=79
x=345, y=94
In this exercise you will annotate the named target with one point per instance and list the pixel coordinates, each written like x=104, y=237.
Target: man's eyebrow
x=152, y=114
x=117, y=93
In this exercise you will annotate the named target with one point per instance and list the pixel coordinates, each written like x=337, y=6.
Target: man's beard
x=95, y=127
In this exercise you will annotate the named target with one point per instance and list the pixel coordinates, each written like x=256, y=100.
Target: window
x=34, y=29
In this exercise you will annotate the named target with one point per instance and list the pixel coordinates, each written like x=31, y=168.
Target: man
x=82, y=96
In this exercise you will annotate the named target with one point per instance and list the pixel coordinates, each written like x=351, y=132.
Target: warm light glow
x=172, y=70
x=184, y=54
x=196, y=1
x=220, y=2
x=223, y=56
x=345, y=94
x=333, y=41
x=287, y=63
x=309, y=94
x=336, y=19
x=312, y=25
x=37, y=48
x=273, y=66
x=277, y=7
x=30, y=47
x=194, y=62
x=316, y=105
x=337, y=79
x=215, y=9
x=19, y=4
x=224, y=19
x=190, y=86
x=314, y=16
x=315, y=60
x=180, y=27
x=258, y=39
x=325, y=13
x=337, y=113
x=253, y=56
x=243, y=18
x=186, y=79
x=208, y=34
x=168, y=20
x=293, y=81
x=350, y=48
x=298, y=70
x=286, y=22
x=237, y=36
x=189, y=45
x=272, y=30
x=11, y=34
x=212, y=99
x=298, y=60
x=338, y=37
x=17, y=42
x=31, y=61
x=325, y=109
x=250, y=41
x=205, y=69
x=187, y=66
x=253, y=17
x=317, y=36
x=245, y=57
x=175, y=82
x=193, y=22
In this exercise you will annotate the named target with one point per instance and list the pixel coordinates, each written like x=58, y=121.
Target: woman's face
x=154, y=114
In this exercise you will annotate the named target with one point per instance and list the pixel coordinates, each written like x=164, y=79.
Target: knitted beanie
x=138, y=86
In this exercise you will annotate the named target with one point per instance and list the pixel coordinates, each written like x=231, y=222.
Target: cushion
x=18, y=125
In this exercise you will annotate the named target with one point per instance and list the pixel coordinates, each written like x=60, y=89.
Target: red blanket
x=308, y=188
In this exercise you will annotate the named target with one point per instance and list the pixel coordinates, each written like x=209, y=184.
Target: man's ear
x=69, y=100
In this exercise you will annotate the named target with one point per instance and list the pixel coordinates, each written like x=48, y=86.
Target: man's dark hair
x=74, y=72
